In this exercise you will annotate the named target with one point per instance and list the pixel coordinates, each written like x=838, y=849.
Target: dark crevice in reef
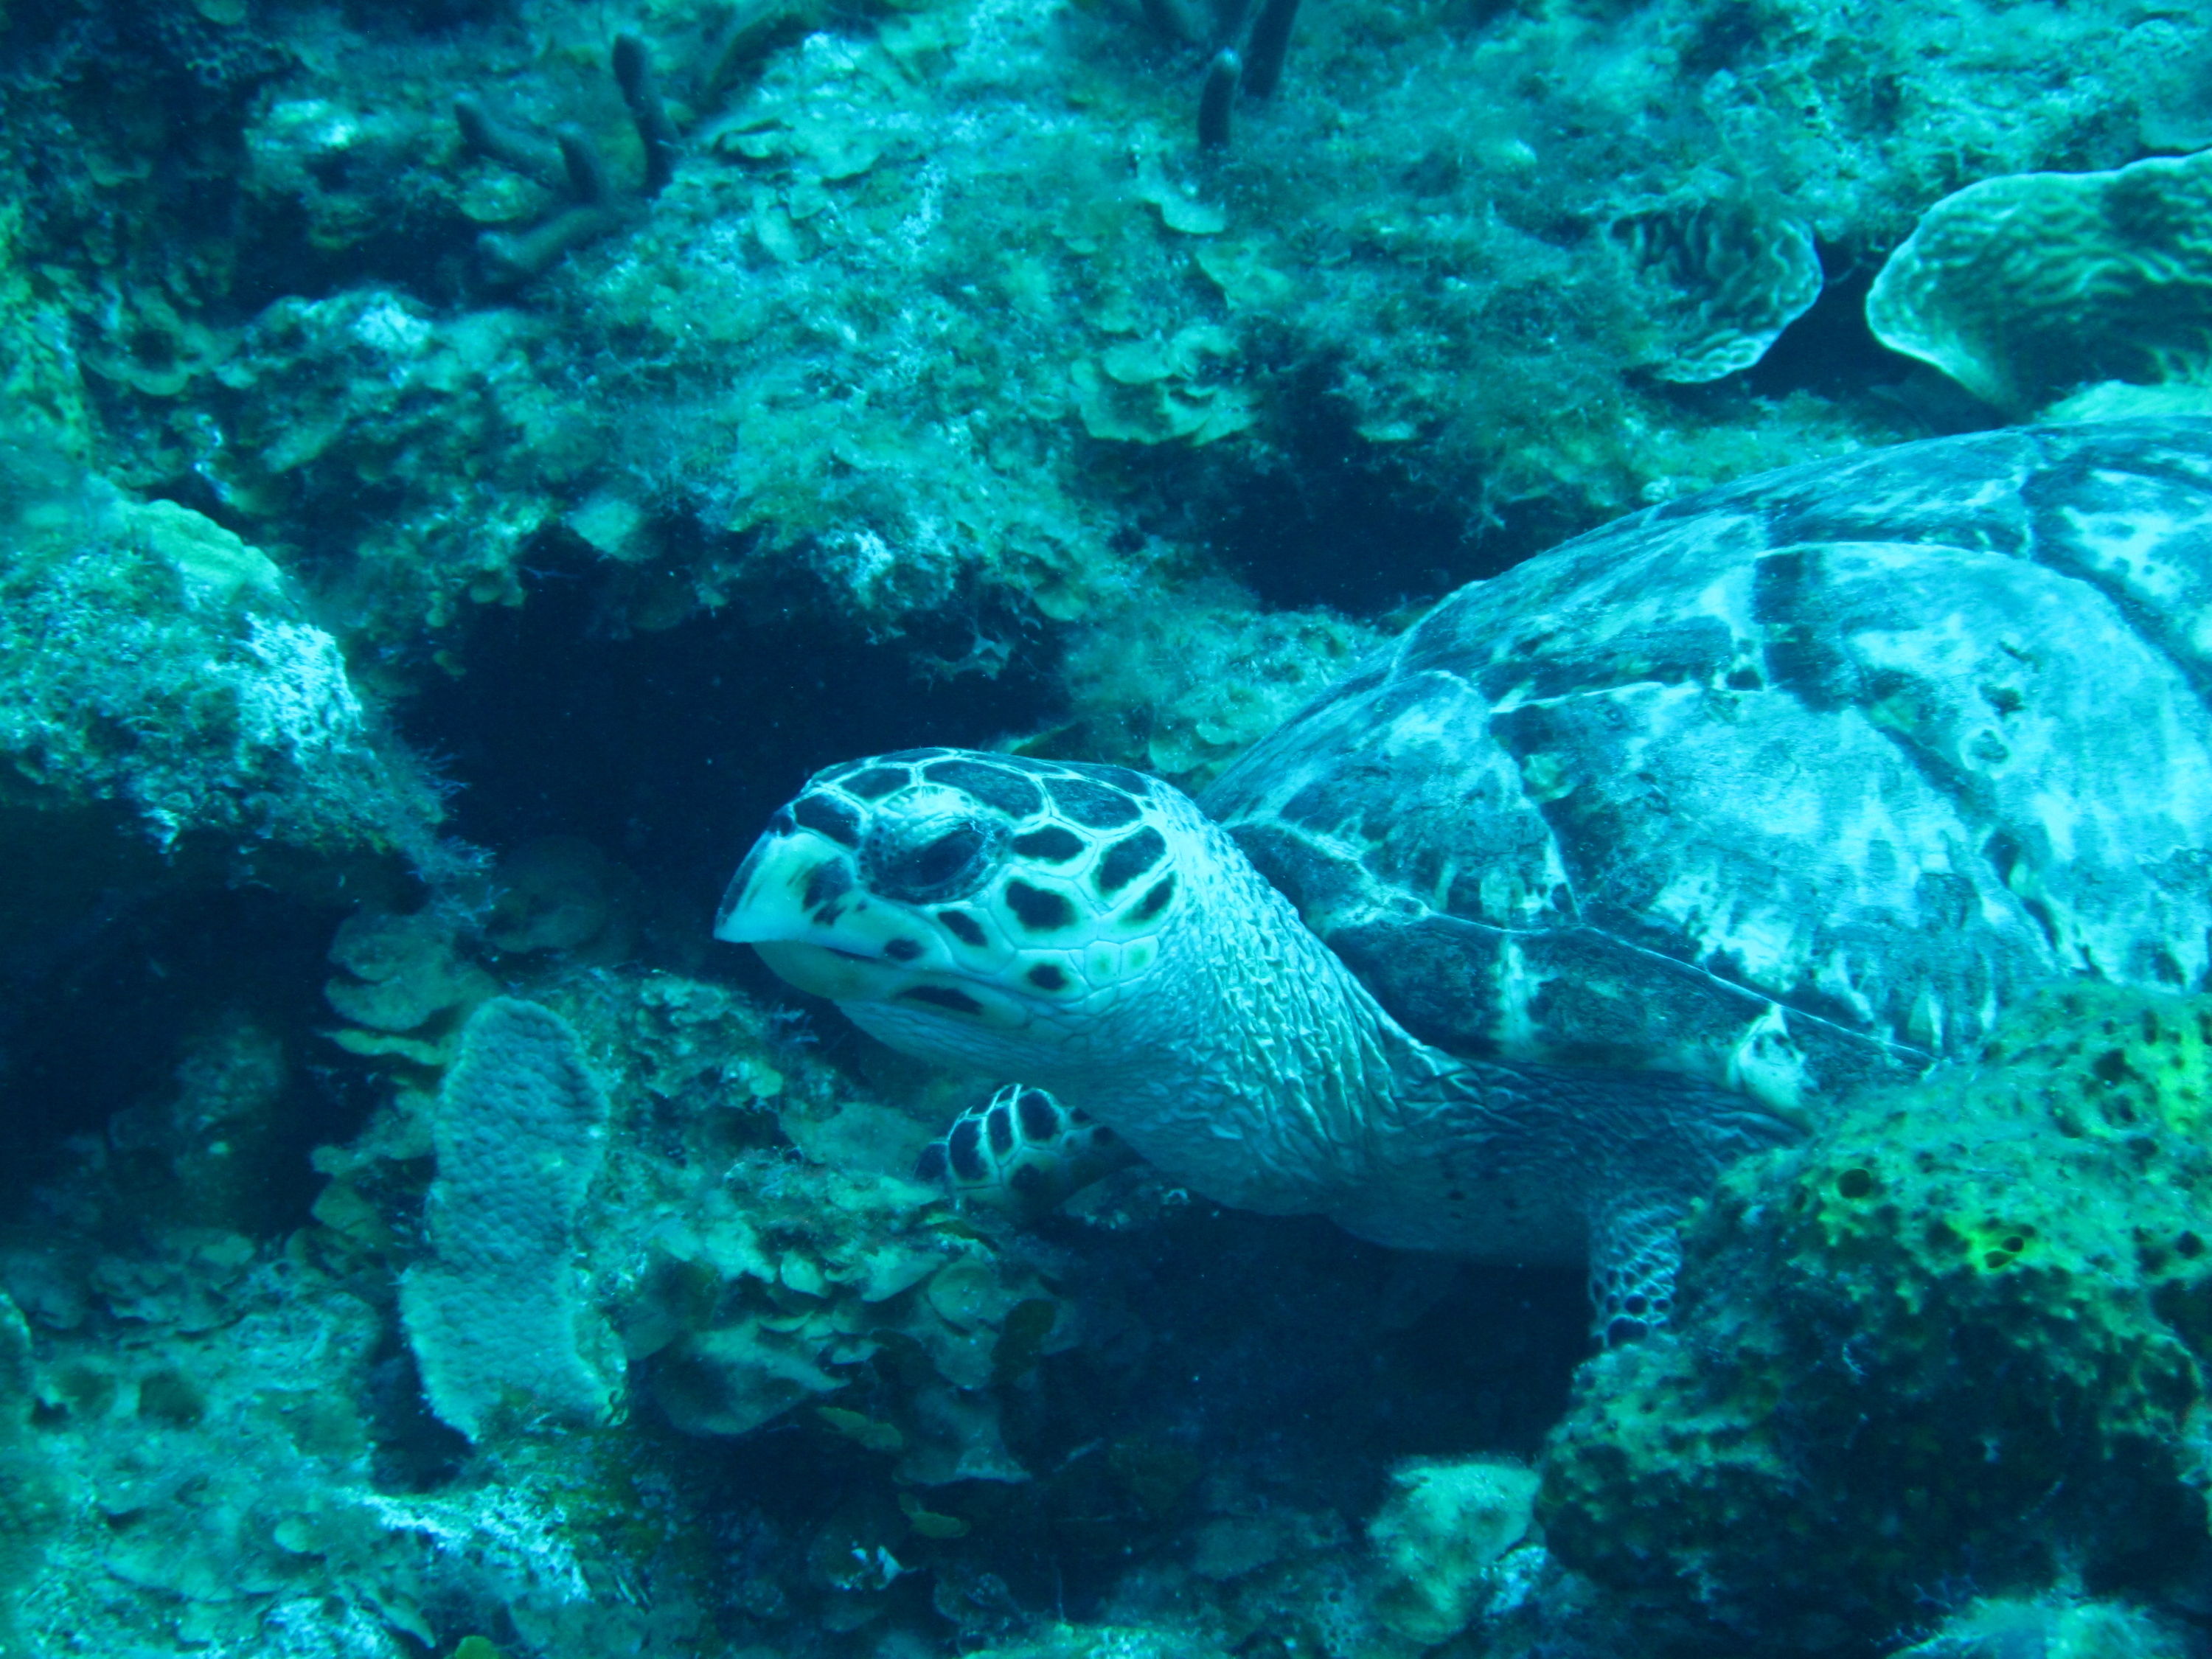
x=141, y=973
x=670, y=748
x=1829, y=350
x=1323, y=529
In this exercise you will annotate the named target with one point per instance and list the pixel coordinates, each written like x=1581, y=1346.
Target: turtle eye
x=928, y=862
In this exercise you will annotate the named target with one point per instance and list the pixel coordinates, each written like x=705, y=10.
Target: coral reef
x=622, y=413
x=933, y=306
x=1960, y=1337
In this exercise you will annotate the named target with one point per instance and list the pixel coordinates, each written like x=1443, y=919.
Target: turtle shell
x=1789, y=784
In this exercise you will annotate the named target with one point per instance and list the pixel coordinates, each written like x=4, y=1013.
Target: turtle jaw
x=796, y=900
x=853, y=982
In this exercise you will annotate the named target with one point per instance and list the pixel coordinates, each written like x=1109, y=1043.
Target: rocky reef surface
x=462, y=462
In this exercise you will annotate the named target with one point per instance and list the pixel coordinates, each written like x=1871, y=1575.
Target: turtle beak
x=824, y=971
x=767, y=898
x=796, y=901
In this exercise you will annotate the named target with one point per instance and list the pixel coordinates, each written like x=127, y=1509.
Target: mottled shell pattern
x=1790, y=784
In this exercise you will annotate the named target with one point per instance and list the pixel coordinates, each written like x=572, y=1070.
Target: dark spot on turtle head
x=1038, y=911
x=1047, y=976
x=876, y=782
x=828, y=882
x=929, y=1168
x=1040, y=1121
x=1053, y=844
x=963, y=1150
x=962, y=925
x=828, y=816
x=942, y=996
x=1744, y=679
x=1102, y=1136
x=903, y=949
x=994, y=786
x=1129, y=858
x=1156, y=900
x=998, y=1124
x=1028, y=1180
x=783, y=823
x=1093, y=806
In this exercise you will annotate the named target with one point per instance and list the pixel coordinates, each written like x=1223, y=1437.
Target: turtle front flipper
x=1023, y=1150
x=1675, y=1144
x=1636, y=1250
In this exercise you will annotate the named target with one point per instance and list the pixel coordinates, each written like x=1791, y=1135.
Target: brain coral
x=2020, y=288
x=1957, y=1341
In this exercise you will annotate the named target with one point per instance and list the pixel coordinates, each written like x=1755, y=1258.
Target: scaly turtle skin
x=1609, y=869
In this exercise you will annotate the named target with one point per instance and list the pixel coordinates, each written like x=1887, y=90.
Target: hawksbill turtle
x=1610, y=869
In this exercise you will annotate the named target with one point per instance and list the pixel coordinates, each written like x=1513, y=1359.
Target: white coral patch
x=305, y=701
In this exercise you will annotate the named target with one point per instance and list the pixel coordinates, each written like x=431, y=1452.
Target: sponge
x=497, y=1316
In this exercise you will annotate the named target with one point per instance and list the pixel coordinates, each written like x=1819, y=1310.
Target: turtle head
x=963, y=904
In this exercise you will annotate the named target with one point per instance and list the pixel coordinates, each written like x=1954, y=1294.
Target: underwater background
x=465, y=463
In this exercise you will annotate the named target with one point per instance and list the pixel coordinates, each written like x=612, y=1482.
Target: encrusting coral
x=1964, y=1334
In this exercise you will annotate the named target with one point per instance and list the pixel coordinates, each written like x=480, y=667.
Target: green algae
x=1966, y=1330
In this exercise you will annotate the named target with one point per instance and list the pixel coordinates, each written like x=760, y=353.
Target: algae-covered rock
x=1180, y=685
x=33, y=1494
x=2023, y=288
x=1446, y=1524
x=418, y=453
x=151, y=658
x=1965, y=1331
